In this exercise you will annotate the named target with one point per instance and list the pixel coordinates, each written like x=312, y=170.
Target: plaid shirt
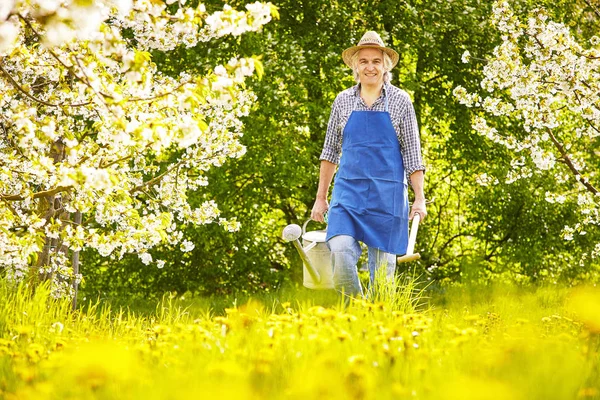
x=403, y=118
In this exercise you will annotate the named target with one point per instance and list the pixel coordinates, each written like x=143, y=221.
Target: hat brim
x=349, y=52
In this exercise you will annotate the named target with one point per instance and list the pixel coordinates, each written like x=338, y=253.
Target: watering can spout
x=292, y=233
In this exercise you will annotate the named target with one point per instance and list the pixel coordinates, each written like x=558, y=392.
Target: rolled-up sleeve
x=410, y=142
x=332, y=148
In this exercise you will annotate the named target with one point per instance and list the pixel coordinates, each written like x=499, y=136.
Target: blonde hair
x=387, y=66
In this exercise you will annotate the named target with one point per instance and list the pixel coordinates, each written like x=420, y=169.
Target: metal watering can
x=318, y=270
x=316, y=257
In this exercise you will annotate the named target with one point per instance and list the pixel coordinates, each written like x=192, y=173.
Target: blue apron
x=370, y=199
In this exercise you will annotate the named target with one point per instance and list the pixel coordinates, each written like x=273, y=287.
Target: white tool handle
x=413, y=234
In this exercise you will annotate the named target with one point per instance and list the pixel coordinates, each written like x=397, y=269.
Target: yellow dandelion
x=585, y=304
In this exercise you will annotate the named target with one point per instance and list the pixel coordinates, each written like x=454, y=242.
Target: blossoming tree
x=100, y=150
x=541, y=78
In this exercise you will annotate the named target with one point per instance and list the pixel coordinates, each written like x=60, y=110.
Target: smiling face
x=370, y=67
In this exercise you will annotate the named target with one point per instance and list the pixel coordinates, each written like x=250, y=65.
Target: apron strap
x=386, y=100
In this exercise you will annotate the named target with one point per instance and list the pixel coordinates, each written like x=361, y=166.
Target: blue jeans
x=345, y=252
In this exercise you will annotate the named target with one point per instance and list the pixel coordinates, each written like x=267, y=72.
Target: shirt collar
x=383, y=89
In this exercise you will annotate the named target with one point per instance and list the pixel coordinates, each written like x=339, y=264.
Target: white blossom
x=466, y=57
x=231, y=225
x=484, y=179
x=567, y=233
x=127, y=143
x=187, y=246
x=6, y=6
x=9, y=32
x=146, y=258
x=541, y=79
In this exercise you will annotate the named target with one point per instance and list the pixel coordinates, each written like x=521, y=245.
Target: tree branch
x=156, y=178
x=585, y=119
x=16, y=85
x=570, y=164
x=499, y=242
x=28, y=23
x=111, y=163
x=51, y=192
x=158, y=96
x=590, y=5
x=57, y=58
x=456, y=236
x=12, y=209
x=87, y=81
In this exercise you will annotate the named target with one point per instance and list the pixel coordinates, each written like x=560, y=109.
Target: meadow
x=459, y=342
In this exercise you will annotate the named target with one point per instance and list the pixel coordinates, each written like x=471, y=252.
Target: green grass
x=471, y=342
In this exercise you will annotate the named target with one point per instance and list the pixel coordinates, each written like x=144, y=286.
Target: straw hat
x=373, y=41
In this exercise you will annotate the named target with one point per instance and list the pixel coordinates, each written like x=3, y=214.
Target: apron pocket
x=351, y=194
x=384, y=197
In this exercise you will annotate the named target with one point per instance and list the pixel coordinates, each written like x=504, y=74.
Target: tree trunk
x=75, y=263
x=50, y=207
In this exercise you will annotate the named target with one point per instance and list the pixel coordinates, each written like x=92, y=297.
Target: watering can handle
x=304, y=225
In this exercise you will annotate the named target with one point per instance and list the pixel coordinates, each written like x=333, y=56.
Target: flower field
x=464, y=343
